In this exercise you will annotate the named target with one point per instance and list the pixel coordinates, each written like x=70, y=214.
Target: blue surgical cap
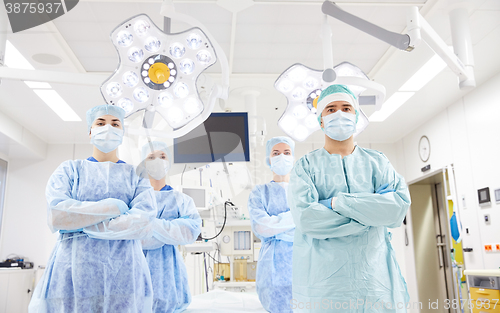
x=104, y=109
x=157, y=146
x=276, y=140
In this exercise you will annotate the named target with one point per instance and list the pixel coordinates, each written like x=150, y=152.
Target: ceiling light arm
x=329, y=74
x=399, y=41
x=419, y=29
x=168, y=10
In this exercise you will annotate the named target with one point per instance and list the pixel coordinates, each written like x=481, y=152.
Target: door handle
x=439, y=246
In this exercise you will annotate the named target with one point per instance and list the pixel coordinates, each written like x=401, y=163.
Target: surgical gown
x=272, y=222
x=342, y=257
x=177, y=223
x=97, y=266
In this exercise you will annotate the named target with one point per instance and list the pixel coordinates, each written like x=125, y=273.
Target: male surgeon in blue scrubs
x=343, y=198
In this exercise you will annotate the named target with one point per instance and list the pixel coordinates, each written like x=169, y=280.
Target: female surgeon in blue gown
x=272, y=222
x=101, y=209
x=177, y=223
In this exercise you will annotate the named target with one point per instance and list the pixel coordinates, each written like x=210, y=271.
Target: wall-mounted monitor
x=199, y=196
x=223, y=137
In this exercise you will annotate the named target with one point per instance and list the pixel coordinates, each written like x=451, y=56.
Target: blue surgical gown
x=177, y=223
x=101, y=209
x=272, y=222
x=342, y=257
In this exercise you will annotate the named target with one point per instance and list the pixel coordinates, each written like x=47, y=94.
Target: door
x=432, y=242
x=429, y=264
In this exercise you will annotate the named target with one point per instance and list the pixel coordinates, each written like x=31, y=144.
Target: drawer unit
x=480, y=298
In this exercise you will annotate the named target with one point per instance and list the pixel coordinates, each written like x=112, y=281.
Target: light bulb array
x=158, y=69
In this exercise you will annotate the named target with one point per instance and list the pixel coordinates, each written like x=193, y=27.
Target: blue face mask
x=282, y=164
x=339, y=125
x=106, y=138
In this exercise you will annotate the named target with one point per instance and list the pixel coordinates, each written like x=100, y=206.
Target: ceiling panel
x=244, y=51
x=82, y=31
x=483, y=22
x=491, y=5
x=99, y=63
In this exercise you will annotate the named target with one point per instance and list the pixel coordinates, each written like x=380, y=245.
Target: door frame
x=433, y=178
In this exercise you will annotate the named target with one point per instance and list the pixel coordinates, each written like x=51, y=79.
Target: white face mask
x=106, y=138
x=282, y=164
x=339, y=125
x=157, y=168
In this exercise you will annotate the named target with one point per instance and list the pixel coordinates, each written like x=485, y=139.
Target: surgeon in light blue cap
x=101, y=209
x=177, y=223
x=343, y=198
x=272, y=222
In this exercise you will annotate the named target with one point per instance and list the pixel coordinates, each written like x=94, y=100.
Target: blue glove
x=383, y=189
x=326, y=202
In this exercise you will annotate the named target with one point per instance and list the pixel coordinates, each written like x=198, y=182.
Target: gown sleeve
x=133, y=224
x=180, y=231
x=373, y=209
x=65, y=213
x=311, y=217
x=267, y=226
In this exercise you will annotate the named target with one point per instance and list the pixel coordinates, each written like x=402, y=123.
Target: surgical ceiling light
x=302, y=86
x=158, y=72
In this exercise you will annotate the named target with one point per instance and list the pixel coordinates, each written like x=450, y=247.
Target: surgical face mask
x=282, y=164
x=157, y=168
x=339, y=125
x=106, y=138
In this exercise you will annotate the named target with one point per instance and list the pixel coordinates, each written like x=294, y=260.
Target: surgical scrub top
x=342, y=257
x=101, y=210
x=177, y=223
x=272, y=223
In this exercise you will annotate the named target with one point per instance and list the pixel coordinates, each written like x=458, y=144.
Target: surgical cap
x=104, y=109
x=342, y=93
x=336, y=93
x=157, y=146
x=276, y=140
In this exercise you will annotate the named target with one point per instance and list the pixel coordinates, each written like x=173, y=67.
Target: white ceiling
x=269, y=36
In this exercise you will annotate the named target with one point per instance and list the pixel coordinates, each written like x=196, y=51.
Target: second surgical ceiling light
x=302, y=86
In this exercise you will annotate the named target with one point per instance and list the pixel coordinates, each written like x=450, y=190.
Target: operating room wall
x=467, y=135
x=24, y=230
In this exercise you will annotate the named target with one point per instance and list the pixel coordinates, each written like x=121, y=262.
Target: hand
x=383, y=189
x=120, y=204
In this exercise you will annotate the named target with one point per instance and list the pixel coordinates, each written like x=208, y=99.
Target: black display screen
x=223, y=137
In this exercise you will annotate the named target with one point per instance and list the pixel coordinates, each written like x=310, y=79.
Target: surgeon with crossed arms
x=343, y=198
